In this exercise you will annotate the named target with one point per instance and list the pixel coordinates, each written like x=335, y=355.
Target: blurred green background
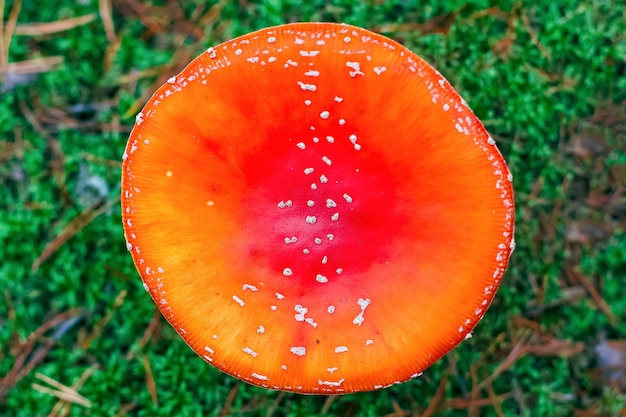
x=79, y=335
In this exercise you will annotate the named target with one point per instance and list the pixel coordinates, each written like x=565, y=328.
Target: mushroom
x=314, y=209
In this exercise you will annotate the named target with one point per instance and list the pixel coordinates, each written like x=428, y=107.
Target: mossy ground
x=548, y=79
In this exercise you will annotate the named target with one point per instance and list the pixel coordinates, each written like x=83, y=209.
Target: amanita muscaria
x=314, y=208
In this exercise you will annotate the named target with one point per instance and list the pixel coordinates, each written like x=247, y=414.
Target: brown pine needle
x=66, y=394
x=150, y=380
x=72, y=228
x=40, y=29
x=107, y=20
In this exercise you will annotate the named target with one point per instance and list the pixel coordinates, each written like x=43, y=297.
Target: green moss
x=564, y=65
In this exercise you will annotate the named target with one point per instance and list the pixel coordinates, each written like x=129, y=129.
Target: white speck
x=357, y=147
x=250, y=352
x=306, y=251
x=129, y=246
x=139, y=118
x=312, y=73
x=335, y=217
x=299, y=41
x=339, y=271
x=318, y=241
x=325, y=114
x=347, y=198
x=308, y=171
x=238, y=300
x=307, y=87
x=273, y=308
x=330, y=139
x=316, y=139
x=208, y=349
x=379, y=70
x=309, y=53
x=310, y=219
x=271, y=59
x=459, y=128
x=290, y=62
x=338, y=99
x=330, y=203
x=331, y=383
x=260, y=330
x=283, y=204
x=145, y=287
x=301, y=312
x=332, y=370
x=301, y=145
x=307, y=102
x=310, y=203
x=253, y=59
x=313, y=186
x=468, y=336
x=363, y=303
x=417, y=375
x=512, y=245
x=330, y=236
x=212, y=53
x=327, y=160
x=460, y=329
x=342, y=122
x=324, y=260
x=292, y=239
x=238, y=52
x=356, y=67
x=446, y=107
x=261, y=377
x=353, y=138
x=323, y=179
x=279, y=296
x=491, y=141
x=287, y=272
x=298, y=351
x=347, y=39
x=284, y=367
x=301, y=315
x=271, y=39
x=341, y=349
x=320, y=42
x=330, y=309
x=369, y=342
x=249, y=287
x=321, y=278
x=171, y=80
x=510, y=177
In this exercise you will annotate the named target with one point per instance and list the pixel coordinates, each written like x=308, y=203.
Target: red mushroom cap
x=315, y=209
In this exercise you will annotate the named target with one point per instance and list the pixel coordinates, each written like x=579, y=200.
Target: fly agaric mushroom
x=314, y=209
